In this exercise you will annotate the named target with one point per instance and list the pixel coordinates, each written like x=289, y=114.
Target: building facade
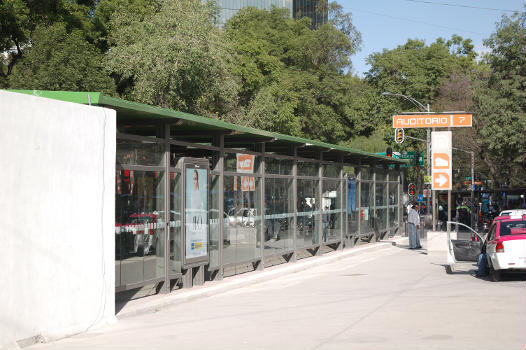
x=297, y=9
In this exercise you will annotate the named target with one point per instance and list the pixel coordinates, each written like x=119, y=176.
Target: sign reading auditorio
x=432, y=121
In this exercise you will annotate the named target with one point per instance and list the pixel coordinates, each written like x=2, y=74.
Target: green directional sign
x=410, y=155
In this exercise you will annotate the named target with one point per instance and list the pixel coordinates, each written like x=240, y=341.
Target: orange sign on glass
x=431, y=120
x=441, y=161
x=441, y=181
x=245, y=163
x=248, y=183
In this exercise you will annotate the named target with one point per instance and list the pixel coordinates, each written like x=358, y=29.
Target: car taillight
x=499, y=248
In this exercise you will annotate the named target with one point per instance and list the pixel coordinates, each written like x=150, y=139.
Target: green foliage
x=175, y=57
x=59, y=60
x=293, y=78
x=499, y=96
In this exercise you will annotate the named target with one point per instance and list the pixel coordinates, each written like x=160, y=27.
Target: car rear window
x=512, y=228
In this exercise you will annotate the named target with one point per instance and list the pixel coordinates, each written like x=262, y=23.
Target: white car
x=506, y=245
x=513, y=212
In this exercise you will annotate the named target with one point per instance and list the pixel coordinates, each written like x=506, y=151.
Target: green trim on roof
x=67, y=96
x=97, y=98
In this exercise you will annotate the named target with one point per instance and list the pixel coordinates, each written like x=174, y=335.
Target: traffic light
x=399, y=135
x=389, y=152
x=411, y=189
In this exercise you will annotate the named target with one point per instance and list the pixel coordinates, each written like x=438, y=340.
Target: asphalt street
x=391, y=298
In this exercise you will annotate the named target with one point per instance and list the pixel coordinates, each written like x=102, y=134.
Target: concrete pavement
x=388, y=297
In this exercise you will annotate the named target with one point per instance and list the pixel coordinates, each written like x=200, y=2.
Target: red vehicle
x=506, y=245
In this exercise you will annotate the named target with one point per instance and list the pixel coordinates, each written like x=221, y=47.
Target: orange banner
x=432, y=121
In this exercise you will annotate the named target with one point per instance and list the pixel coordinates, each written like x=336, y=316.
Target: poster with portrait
x=196, y=214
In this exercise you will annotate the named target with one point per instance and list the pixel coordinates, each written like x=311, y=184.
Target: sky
x=389, y=23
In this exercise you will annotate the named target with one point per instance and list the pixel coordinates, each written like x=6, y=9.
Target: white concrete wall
x=57, y=250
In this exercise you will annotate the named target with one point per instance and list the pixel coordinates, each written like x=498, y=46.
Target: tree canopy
x=267, y=70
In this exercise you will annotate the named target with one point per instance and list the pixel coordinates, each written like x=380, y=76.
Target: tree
x=174, y=57
x=293, y=77
x=499, y=95
x=61, y=60
x=20, y=18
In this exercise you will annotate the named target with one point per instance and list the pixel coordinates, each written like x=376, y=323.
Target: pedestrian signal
x=411, y=189
x=399, y=135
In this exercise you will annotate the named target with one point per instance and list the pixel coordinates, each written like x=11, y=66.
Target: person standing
x=413, y=220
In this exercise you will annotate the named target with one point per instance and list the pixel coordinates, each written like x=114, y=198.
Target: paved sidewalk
x=156, y=302
x=388, y=297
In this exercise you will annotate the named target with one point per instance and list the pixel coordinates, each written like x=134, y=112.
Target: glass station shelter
x=200, y=199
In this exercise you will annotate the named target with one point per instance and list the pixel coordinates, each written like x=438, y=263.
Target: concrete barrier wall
x=57, y=211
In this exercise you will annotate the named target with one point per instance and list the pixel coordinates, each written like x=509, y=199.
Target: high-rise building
x=297, y=8
x=228, y=8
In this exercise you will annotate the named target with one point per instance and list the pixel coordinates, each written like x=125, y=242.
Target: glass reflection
x=331, y=210
x=366, y=196
x=381, y=206
x=279, y=214
x=175, y=223
x=352, y=207
x=308, y=213
x=139, y=226
x=242, y=219
x=393, y=205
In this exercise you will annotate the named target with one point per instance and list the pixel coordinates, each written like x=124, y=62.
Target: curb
x=157, y=302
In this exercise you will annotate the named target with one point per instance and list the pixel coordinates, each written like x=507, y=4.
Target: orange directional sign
x=441, y=161
x=441, y=181
x=432, y=120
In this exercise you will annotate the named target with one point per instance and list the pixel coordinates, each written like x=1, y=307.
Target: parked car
x=506, y=245
x=513, y=212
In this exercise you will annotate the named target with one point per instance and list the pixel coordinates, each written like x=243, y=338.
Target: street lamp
x=428, y=141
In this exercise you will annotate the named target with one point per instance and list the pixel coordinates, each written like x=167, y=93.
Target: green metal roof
x=128, y=111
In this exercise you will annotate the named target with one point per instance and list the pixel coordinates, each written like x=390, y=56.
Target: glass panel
x=279, y=214
x=139, y=153
x=215, y=220
x=381, y=206
x=139, y=226
x=393, y=205
x=366, y=207
x=331, y=210
x=381, y=174
x=352, y=207
x=278, y=166
x=331, y=170
x=242, y=163
x=242, y=225
x=366, y=173
x=308, y=213
x=307, y=169
x=175, y=223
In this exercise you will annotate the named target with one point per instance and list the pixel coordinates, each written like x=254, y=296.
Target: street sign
x=420, y=198
x=441, y=160
x=411, y=156
x=432, y=120
x=399, y=135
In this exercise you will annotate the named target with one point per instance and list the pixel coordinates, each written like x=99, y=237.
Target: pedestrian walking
x=413, y=220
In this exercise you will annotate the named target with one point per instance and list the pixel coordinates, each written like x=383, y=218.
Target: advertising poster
x=245, y=163
x=196, y=213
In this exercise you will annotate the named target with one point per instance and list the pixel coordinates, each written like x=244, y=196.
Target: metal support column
x=221, y=167
x=319, y=205
x=261, y=264
x=295, y=201
x=166, y=285
x=359, y=206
